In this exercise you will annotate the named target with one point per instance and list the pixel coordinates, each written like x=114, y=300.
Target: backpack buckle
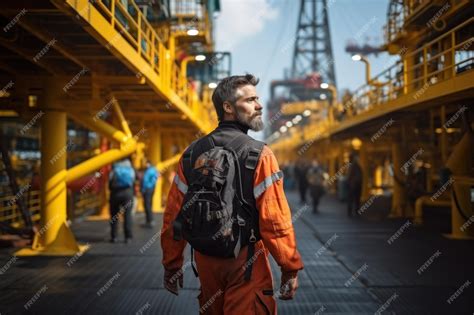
x=252, y=238
x=240, y=221
x=252, y=159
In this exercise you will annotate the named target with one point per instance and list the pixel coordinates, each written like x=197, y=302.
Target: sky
x=260, y=36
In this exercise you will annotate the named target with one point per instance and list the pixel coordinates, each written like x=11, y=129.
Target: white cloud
x=240, y=19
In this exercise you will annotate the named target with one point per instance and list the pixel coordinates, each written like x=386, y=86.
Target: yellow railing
x=418, y=71
x=399, y=13
x=10, y=214
x=443, y=58
x=83, y=202
x=403, y=13
x=190, y=14
x=132, y=25
x=414, y=6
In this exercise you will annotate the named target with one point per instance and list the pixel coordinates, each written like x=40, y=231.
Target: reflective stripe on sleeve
x=181, y=186
x=267, y=182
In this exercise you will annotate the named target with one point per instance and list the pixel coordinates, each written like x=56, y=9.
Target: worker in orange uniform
x=227, y=202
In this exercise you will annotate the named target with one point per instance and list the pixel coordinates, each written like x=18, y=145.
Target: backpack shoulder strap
x=253, y=155
x=187, y=160
x=251, y=161
x=239, y=141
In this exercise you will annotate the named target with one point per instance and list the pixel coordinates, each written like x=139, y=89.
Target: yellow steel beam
x=456, y=85
x=46, y=38
x=448, y=86
x=105, y=32
x=121, y=118
x=154, y=155
x=128, y=144
x=100, y=160
x=101, y=127
x=153, y=116
x=164, y=165
x=398, y=196
x=294, y=108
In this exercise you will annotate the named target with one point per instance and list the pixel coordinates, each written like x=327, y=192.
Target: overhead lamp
x=295, y=120
x=307, y=113
x=323, y=96
x=32, y=100
x=212, y=85
x=356, y=143
x=289, y=124
x=200, y=58
x=283, y=129
x=192, y=32
x=324, y=85
x=298, y=117
x=358, y=57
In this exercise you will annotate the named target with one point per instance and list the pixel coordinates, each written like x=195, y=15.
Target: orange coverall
x=223, y=288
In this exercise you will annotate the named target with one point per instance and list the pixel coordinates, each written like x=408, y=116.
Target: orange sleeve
x=173, y=250
x=276, y=226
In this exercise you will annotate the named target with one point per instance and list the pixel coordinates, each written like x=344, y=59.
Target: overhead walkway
x=414, y=107
x=402, y=88
x=111, y=70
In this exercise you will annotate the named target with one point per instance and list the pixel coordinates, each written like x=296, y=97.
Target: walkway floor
x=350, y=268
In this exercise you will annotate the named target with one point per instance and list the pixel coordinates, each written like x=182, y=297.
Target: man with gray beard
x=231, y=261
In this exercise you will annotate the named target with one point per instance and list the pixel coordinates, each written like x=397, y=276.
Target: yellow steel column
x=432, y=156
x=364, y=164
x=341, y=159
x=444, y=135
x=53, y=167
x=378, y=176
x=166, y=153
x=154, y=155
x=332, y=170
x=138, y=162
x=409, y=73
x=104, y=212
x=54, y=237
x=462, y=213
x=170, y=60
x=398, y=196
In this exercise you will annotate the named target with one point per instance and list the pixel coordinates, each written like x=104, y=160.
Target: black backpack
x=216, y=219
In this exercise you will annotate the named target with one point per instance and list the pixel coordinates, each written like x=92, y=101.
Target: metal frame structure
x=313, y=50
x=129, y=60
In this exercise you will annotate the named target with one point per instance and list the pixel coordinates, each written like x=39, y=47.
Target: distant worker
x=287, y=176
x=315, y=177
x=301, y=169
x=121, y=185
x=354, y=185
x=147, y=188
x=227, y=202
